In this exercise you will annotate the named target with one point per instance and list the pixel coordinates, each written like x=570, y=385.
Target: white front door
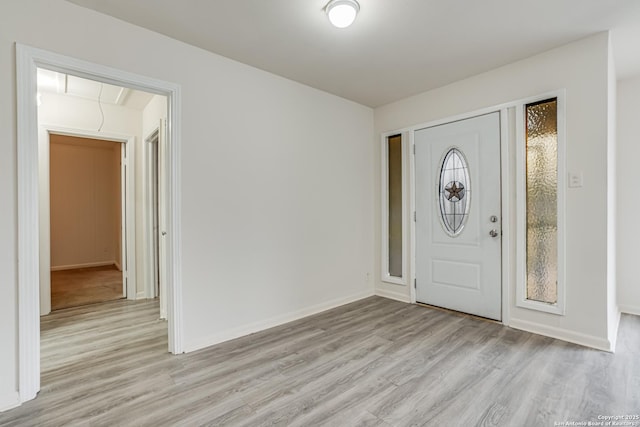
x=458, y=232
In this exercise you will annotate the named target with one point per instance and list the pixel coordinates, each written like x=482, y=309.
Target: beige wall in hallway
x=85, y=202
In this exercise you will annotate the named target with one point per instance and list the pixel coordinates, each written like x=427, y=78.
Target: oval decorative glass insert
x=454, y=192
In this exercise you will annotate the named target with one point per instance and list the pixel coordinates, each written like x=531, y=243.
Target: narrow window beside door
x=393, y=257
x=395, y=205
x=542, y=201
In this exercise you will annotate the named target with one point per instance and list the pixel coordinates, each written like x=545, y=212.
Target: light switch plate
x=575, y=179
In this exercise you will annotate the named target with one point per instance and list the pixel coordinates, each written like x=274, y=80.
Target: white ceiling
x=396, y=48
x=64, y=84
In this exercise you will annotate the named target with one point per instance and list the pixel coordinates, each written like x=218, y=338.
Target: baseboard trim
x=613, y=332
x=629, y=309
x=9, y=401
x=141, y=295
x=563, y=334
x=272, y=322
x=397, y=296
x=86, y=265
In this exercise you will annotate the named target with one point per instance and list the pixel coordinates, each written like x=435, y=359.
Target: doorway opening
x=87, y=209
x=28, y=61
x=90, y=189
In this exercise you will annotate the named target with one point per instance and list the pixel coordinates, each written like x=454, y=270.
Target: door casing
x=128, y=261
x=507, y=136
x=154, y=240
x=28, y=59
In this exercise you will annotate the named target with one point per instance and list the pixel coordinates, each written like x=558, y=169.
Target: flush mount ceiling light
x=342, y=13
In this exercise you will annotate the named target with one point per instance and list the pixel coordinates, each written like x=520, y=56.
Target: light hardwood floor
x=375, y=362
x=80, y=286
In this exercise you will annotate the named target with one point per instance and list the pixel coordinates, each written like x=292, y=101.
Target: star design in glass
x=455, y=190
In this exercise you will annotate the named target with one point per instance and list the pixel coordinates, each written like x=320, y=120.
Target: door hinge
x=414, y=216
x=415, y=283
x=414, y=149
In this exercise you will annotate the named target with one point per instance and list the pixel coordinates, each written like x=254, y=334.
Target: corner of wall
x=613, y=311
x=393, y=294
x=563, y=334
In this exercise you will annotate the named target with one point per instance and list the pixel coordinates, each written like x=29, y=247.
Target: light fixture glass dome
x=342, y=13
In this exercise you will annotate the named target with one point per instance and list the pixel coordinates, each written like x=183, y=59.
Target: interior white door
x=458, y=201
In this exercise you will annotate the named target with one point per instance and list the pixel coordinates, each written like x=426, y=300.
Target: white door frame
x=157, y=137
x=505, y=140
x=149, y=247
x=28, y=59
x=128, y=245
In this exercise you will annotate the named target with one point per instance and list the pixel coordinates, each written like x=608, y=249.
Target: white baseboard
x=9, y=401
x=629, y=309
x=563, y=334
x=398, y=296
x=141, y=295
x=86, y=265
x=272, y=322
x=613, y=331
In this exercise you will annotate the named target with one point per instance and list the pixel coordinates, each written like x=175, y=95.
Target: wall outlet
x=575, y=179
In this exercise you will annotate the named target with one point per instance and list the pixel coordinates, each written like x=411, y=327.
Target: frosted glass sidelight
x=542, y=200
x=454, y=192
x=394, y=146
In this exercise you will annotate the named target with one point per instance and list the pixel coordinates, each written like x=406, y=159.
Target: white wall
x=155, y=110
x=582, y=69
x=277, y=179
x=84, y=114
x=628, y=195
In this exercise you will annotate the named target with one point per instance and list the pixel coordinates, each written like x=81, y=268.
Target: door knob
x=493, y=233
x=493, y=218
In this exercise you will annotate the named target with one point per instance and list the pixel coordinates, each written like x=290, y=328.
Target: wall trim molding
x=9, y=401
x=28, y=59
x=564, y=335
x=397, y=296
x=272, y=322
x=86, y=265
x=629, y=309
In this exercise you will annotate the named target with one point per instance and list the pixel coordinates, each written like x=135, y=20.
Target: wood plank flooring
x=81, y=286
x=375, y=362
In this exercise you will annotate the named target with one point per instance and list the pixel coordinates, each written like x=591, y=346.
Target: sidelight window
x=541, y=211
